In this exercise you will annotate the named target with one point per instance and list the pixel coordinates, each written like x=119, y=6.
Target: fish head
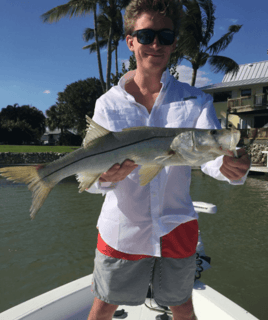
x=199, y=145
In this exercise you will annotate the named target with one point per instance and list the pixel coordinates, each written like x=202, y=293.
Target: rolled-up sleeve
x=212, y=168
x=208, y=120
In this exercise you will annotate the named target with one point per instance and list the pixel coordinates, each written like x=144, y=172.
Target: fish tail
x=29, y=175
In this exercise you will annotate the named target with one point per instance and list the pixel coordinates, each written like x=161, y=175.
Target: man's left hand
x=235, y=168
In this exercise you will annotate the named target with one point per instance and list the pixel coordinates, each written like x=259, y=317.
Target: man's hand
x=235, y=168
x=118, y=173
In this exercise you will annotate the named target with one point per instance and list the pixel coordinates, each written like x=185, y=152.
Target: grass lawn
x=25, y=148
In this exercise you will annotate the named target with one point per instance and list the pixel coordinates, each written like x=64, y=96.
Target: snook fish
x=151, y=147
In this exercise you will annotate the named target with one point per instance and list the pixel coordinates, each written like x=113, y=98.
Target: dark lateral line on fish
x=93, y=155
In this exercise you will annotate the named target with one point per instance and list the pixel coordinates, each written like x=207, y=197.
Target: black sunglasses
x=146, y=36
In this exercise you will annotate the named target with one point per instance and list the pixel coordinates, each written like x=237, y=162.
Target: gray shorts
x=124, y=282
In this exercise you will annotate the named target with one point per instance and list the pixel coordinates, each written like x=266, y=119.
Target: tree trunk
x=109, y=59
x=116, y=62
x=194, y=76
x=98, y=50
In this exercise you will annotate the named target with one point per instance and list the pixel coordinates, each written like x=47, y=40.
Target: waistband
x=180, y=243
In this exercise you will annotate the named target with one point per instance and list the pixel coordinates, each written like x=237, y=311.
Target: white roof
x=56, y=131
x=250, y=73
x=256, y=70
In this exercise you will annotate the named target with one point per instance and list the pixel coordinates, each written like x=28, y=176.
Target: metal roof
x=235, y=83
x=250, y=73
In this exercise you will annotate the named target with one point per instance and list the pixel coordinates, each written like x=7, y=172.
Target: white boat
x=73, y=300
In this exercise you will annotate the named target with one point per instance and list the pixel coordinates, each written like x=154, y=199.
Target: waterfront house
x=51, y=136
x=242, y=100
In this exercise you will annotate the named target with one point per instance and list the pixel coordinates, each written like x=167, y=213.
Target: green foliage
x=73, y=104
x=197, y=29
x=21, y=125
x=69, y=139
x=110, y=15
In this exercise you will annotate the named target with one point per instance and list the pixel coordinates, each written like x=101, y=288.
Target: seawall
x=10, y=158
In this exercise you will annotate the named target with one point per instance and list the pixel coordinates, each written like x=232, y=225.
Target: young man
x=149, y=234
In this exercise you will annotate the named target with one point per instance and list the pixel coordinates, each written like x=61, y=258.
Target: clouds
x=126, y=62
x=47, y=92
x=185, y=75
x=232, y=20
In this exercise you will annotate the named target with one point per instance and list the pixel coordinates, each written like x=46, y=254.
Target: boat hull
x=73, y=301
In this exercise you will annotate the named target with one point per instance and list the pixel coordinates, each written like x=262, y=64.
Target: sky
x=38, y=60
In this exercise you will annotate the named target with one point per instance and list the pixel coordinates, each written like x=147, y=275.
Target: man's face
x=152, y=55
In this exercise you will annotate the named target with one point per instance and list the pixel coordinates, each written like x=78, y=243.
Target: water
x=59, y=245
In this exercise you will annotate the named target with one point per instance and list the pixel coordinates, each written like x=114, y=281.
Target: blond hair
x=169, y=8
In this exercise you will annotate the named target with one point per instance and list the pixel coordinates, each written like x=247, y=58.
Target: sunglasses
x=166, y=37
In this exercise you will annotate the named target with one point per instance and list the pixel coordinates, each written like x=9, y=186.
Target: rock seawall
x=10, y=158
x=257, y=157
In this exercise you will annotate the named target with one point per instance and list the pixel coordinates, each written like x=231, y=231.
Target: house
x=242, y=100
x=70, y=137
x=51, y=136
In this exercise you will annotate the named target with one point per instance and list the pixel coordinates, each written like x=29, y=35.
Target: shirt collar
x=130, y=74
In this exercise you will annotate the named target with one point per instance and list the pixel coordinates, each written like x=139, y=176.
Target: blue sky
x=38, y=60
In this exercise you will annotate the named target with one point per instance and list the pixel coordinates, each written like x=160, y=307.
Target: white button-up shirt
x=133, y=218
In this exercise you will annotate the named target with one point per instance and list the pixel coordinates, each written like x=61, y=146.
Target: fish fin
x=93, y=132
x=86, y=180
x=148, y=172
x=164, y=158
x=29, y=175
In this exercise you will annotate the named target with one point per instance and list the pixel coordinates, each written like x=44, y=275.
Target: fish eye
x=212, y=132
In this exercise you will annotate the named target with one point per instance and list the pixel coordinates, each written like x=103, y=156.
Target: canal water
x=58, y=245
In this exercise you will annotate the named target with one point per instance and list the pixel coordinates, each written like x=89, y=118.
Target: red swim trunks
x=179, y=243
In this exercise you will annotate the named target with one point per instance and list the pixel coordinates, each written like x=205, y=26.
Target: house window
x=245, y=92
x=222, y=96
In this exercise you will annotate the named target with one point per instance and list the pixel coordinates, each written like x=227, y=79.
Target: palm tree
x=54, y=118
x=104, y=22
x=78, y=8
x=197, y=29
x=112, y=10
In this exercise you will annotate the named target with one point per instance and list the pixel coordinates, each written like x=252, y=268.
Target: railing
x=261, y=99
x=255, y=101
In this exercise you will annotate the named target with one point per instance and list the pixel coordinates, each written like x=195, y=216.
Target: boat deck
x=73, y=301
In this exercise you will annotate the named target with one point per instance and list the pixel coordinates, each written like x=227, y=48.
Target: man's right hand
x=118, y=173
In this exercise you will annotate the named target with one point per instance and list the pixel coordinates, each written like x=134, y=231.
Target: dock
x=260, y=169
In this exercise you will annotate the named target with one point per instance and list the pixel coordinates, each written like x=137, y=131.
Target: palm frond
x=223, y=64
x=187, y=45
x=191, y=23
x=224, y=41
x=208, y=20
x=93, y=47
x=88, y=34
x=72, y=8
